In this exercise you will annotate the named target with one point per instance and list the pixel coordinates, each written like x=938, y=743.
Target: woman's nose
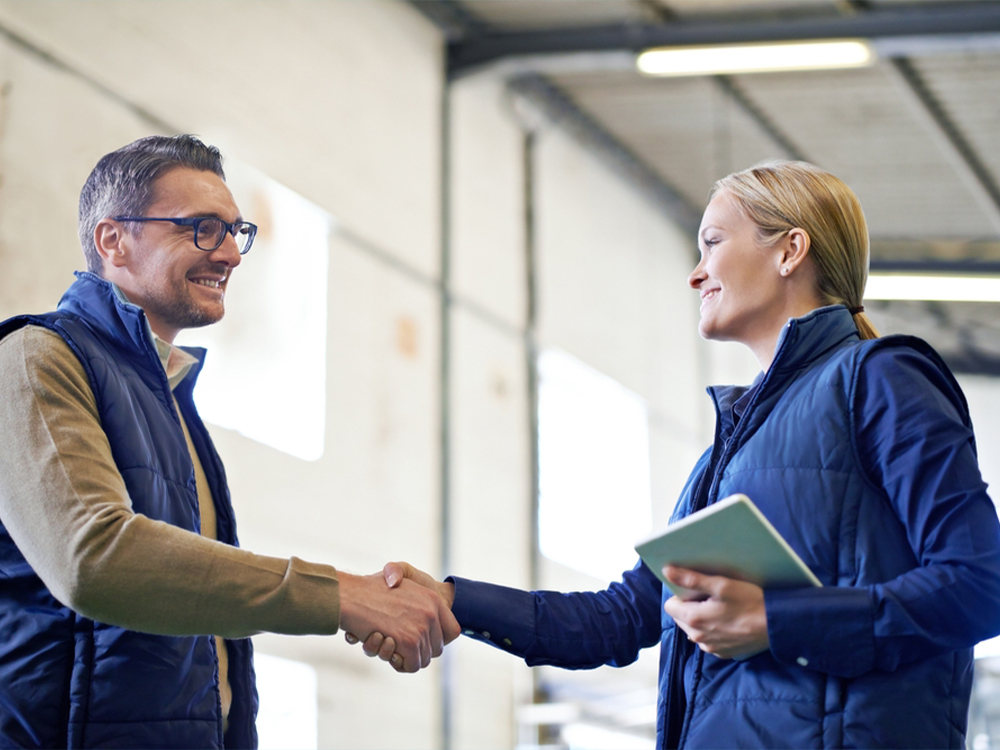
x=697, y=276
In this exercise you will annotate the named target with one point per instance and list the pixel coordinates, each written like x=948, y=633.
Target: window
x=287, y=719
x=594, y=483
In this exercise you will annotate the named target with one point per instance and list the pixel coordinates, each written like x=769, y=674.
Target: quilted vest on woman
x=791, y=452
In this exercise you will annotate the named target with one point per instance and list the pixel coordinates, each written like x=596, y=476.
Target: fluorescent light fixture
x=755, y=58
x=942, y=288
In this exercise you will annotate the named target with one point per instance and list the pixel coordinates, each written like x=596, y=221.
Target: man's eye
x=209, y=228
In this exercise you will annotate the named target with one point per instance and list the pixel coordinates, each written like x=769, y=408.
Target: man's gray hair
x=122, y=182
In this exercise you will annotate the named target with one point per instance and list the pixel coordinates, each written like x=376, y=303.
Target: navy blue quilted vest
x=65, y=680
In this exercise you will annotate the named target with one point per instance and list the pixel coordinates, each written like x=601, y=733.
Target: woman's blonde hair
x=779, y=196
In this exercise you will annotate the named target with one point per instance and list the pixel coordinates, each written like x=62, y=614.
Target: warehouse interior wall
x=467, y=233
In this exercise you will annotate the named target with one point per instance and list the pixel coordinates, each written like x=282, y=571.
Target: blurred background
x=464, y=337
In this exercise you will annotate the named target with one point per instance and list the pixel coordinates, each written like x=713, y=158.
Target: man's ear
x=112, y=242
x=795, y=249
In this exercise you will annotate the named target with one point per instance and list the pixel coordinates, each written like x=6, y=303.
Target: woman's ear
x=794, y=250
x=111, y=242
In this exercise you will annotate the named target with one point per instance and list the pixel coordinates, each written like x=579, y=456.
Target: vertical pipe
x=528, y=152
x=530, y=347
x=447, y=666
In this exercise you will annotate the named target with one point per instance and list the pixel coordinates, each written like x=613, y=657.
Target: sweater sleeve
x=915, y=443
x=65, y=505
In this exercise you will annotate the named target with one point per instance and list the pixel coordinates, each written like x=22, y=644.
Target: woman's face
x=739, y=279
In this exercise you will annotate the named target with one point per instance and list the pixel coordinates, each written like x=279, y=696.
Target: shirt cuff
x=827, y=629
x=498, y=615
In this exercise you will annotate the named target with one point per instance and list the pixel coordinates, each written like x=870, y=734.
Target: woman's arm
x=915, y=443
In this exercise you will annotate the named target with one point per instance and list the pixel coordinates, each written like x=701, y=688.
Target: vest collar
x=804, y=339
x=107, y=310
x=98, y=301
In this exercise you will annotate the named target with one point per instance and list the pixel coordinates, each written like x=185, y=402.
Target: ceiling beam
x=949, y=138
x=560, y=108
x=959, y=266
x=915, y=22
x=760, y=118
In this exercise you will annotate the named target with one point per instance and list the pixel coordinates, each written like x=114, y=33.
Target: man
x=125, y=604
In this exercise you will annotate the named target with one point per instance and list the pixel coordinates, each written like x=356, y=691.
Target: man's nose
x=228, y=252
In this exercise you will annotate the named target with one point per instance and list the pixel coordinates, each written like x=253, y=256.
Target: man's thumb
x=393, y=573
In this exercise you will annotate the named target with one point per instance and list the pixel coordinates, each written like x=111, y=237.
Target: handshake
x=402, y=615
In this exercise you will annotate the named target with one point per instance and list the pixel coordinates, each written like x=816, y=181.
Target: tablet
x=731, y=538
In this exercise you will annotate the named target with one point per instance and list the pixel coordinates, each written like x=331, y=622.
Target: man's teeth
x=208, y=282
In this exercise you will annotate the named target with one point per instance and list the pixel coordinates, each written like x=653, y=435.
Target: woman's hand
x=724, y=616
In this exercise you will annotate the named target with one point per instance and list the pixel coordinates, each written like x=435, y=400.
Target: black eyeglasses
x=209, y=231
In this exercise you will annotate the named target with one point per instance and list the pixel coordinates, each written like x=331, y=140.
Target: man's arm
x=65, y=505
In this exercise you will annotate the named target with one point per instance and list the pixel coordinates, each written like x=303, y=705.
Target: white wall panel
x=487, y=199
x=52, y=131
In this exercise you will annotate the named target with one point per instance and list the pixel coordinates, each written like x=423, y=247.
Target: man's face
x=177, y=284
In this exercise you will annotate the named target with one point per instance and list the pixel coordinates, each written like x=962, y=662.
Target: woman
x=859, y=450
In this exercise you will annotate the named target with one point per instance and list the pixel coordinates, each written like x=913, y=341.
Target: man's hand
x=725, y=617
x=417, y=620
x=395, y=574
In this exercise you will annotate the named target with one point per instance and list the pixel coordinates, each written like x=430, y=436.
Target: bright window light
x=755, y=58
x=265, y=372
x=594, y=474
x=924, y=287
x=583, y=736
x=287, y=718
x=988, y=649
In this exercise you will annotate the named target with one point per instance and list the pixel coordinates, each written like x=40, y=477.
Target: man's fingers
x=373, y=643
x=387, y=649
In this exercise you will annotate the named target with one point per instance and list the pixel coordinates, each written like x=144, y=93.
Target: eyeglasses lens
x=244, y=236
x=209, y=234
